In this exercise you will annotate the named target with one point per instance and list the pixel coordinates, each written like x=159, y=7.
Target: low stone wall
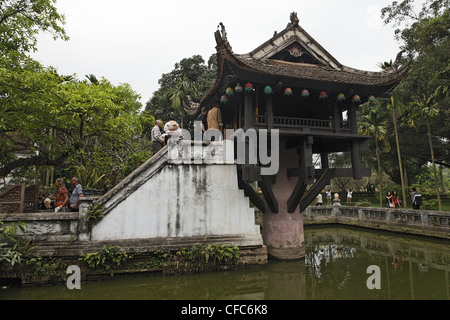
x=46, y=226
x=425, y=222
x=60, y=239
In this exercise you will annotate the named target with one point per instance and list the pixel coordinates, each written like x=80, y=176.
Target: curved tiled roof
x=319, y=72
x=263, y=61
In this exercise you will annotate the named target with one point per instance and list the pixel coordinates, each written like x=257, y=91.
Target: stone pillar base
x=283, y=231
x=286, y=253
x=283, y=235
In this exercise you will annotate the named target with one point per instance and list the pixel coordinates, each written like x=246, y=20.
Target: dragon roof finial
x=294, y=19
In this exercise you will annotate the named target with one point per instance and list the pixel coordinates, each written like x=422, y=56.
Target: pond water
x=335, y=267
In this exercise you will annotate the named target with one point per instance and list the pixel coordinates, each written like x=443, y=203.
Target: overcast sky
x=136, y=41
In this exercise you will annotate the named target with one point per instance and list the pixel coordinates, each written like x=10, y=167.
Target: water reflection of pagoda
x=293, y=84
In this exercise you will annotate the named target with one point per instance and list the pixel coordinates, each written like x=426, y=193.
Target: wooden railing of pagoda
x=289, y=122
x=19, y=199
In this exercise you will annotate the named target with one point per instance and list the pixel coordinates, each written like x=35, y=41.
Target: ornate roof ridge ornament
x=221, y=36
x=399, y=61
x=294, y=19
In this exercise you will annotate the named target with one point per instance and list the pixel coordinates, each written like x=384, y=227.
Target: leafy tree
x=76, y=126
x=428, y=108
x=396, y=109
x=69, y=123
x=423, y=31
x=179, y=92
x=192, y=70
x=22, y=20
x=375, y=124
x=419, y=30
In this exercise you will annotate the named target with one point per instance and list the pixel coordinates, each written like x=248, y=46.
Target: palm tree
x=375, y=124
x=179, y=92
x=93, y=79
x=428, y=108
x=396, y=108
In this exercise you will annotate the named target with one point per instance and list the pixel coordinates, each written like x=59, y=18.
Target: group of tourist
x=62, y=202
x=211, y=119
x=393, y=199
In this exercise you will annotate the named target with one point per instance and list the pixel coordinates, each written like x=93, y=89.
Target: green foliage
x=95, y=128
x=64, y=123
x=190, y=76
x=48, y=266
x=108, y=258
x=202, y=253
x=419, y=27
x=21, y=21
x=363, y=203
x=95, y=212
x=423, y=31
x=155, y=261
x=430, y=204
x=91, y=177
x=12, y=247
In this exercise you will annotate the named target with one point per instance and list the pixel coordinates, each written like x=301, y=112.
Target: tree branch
x=32, y=161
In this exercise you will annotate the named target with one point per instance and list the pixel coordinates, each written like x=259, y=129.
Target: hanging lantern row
x=288, y=92
x=268, y=90
x=224, y=99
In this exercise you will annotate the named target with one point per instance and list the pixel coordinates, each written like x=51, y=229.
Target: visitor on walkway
x=62, y=196
x=157, y=139
x=76, y=195
x=349, y=196
x=202, y=117
x=319, y=201
x=172, y=129
x=389, y=201
x=214, y=118
x=41, y=200
x=396, y=200
x=416, y=199
x=47, y=204
x=328, y=197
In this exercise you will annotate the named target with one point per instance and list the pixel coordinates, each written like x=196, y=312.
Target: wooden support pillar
x=296, y=195
x=248, y=111
x=306, y=160
x=269, y=112
x=336, y=118
x=355, y=152
x=250, y=192
x=351, y=114
x=305, y=173
x=356, y=160
x=324, y=160
x=268, y=194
